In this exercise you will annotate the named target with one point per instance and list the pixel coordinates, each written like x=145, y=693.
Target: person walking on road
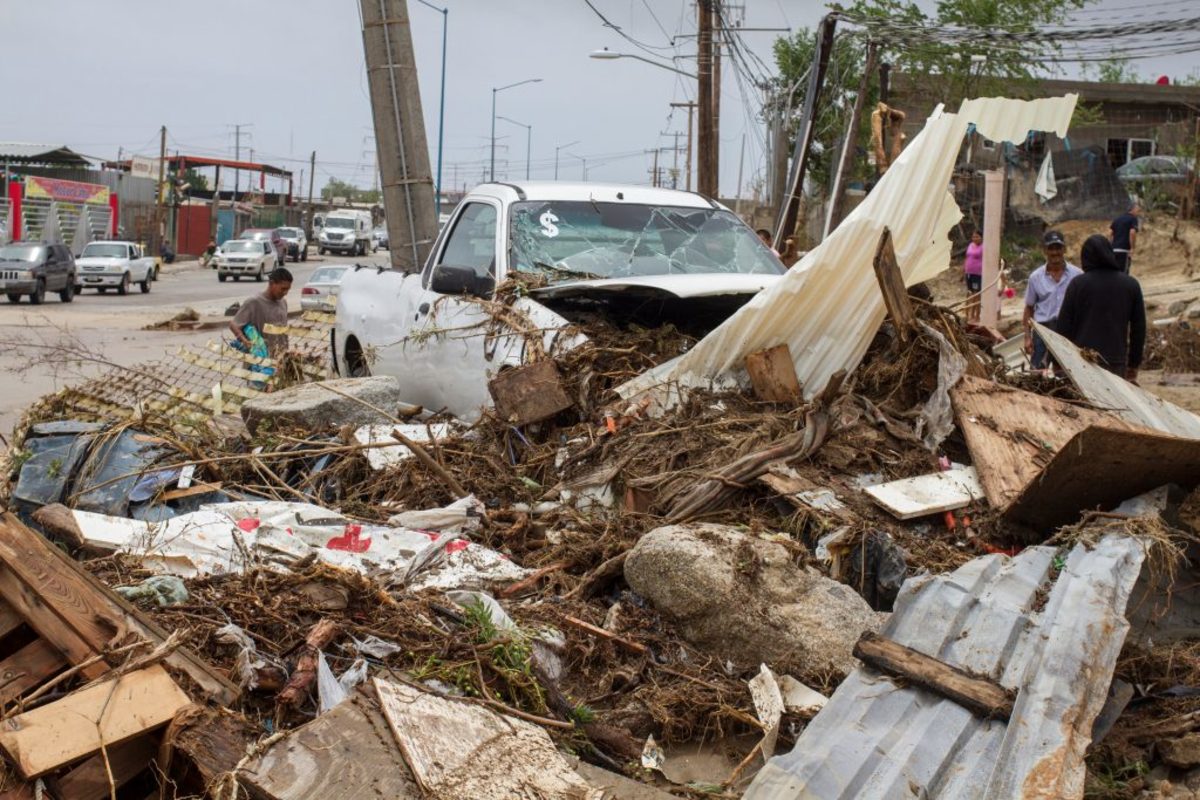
x=1123, y=232
x=1044, y=294
x=1103, y=310
x=267, y=308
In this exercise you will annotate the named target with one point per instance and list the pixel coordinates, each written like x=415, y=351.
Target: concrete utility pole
x=691, y=107
x=237, y=156
x=408, y=196
x=312, y=174
x=993, y=223
x=707, y=182
x=156, y=240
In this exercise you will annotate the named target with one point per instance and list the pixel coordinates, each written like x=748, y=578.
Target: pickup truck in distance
x=634, y=254
x=114, y=265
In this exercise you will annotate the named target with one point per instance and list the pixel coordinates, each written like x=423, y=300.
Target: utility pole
x=156, y=240
x=706, y=183
x=407, y=181
x=312, y=174
x=714, y=158
x=691, y=107
x=836, y=195
x=654, y=169
x=237, y=156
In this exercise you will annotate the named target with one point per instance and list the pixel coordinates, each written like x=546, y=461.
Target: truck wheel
x=259, y=276
x=14, y=298
x=145, y=285
x=154, y=273
x=221, y=276
x=123, y=289
x=68, y=292
x=320, y=251
x=304, y=255
x=39, y=294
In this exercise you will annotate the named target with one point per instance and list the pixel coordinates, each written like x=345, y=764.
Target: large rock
x=743, y=599
x=313, y=407
x=1183, y=752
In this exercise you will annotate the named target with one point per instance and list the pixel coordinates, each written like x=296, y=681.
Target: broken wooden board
x=348, y=752
x=1103, y=389
x=77, y=614
x=928, y=494
x=89, y=780
x=803, y=493
x=457, y=749
x=26, y=668
x=773, y=375
x=1012, y=434
x=529, y=393
x=1099, y=468
x=980, y=696
x=891, y=285
x=54, y=735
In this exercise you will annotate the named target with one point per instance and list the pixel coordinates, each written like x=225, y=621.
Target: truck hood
x=101, y=261
x=673, y=286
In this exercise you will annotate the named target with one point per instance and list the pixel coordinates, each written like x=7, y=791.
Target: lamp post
x=561, y=147
x=496, y=90
x=445, y=12
x=604, y=54
x=528, y=140
x=582, y=159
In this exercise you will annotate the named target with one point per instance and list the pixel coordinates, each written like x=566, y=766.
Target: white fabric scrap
x=1045, y=186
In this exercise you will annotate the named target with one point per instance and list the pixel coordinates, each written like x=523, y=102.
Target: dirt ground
x=1166, y=262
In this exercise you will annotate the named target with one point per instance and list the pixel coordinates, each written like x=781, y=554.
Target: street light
x=495, y=91
x=528, y=140
x=445, y=12
x=561, y=147
x=604, y=54
x=584, y=160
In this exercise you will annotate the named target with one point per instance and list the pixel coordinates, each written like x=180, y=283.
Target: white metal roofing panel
x=875, y=739
x=829, y=306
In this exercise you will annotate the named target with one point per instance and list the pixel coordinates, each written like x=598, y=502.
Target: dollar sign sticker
x=549, y=229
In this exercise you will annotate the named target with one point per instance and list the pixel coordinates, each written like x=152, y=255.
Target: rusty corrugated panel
x=992, y=616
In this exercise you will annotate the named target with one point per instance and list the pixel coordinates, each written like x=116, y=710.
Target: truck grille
x=337, y=237
x=9, y=275
x=93, y=268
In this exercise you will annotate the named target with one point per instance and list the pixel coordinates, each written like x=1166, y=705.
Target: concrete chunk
x=313, y=407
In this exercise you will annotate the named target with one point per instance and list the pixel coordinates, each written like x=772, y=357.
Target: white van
x=346, y=231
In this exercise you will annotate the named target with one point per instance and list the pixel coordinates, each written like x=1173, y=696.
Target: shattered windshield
x=616, y=240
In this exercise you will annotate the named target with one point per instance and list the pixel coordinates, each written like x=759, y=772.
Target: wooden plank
x=928, y=494
x=345, y=753
x=773, y=375
x=803, y=493
x=1099, y=468
x=529, y=393
x=10, y=620
x=978, y=695
x=891, y=284
x=89, y=781
x=54, y=735
x=78, y=614
x=199, y=488
x=26, y=668
x=1012, y=434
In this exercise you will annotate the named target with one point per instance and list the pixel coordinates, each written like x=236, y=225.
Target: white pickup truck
x=114, y=265
x=639, y=255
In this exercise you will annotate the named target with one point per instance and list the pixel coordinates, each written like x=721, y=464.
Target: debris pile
x=892, y=567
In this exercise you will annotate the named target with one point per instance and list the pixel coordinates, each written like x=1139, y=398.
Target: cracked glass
x=580, y=240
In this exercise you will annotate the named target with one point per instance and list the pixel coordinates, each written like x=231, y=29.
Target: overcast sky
x=102, y=76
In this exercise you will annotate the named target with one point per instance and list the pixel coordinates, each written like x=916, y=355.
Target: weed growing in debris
x=1115, y=781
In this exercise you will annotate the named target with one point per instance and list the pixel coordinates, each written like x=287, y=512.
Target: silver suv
x=34, y=268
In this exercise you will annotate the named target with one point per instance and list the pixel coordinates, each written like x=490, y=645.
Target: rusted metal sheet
x=1053, y=637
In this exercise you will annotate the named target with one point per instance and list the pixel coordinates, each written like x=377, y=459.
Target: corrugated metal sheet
x=28, y=152
x=875, y=739
x=1106, y=390
x=829, y=306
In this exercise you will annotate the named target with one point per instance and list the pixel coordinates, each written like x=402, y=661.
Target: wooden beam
x=89, y=780
x=773, y=375
x=978, y=695
x=891, y=284
x=10, y=620
x=47, y=624
x=26, y=668
x=109, y=712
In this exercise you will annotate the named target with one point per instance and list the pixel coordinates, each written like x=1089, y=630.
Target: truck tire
x=320, y=251
x=39, y=293
x=304, y=254
x=221, y=276
x=259, y=276
x=68, y=292
x=14, y=298
x=123, y=289
x=145, y=285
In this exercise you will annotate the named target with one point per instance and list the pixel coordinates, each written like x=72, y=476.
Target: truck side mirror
x=449, y=279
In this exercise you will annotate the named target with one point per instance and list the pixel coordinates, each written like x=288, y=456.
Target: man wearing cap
x=1044, y=294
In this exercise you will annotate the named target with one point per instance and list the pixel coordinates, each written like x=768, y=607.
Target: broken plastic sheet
x=232, y=537
x=395, y=453
x=936, y=419
x=114, y=469
x=828, y=306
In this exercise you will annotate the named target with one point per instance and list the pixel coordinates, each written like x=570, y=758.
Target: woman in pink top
x=973, y=273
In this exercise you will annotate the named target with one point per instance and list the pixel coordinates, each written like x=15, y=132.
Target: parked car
x=1156, y=180
x=114, y=265
x=639, y=255
x=34, y=268
x=271, y=235
x=322, y=289
x=297, y=243
x=380, y=235
x=238, y=257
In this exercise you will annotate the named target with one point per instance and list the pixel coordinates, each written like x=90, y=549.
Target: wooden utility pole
x=714, y=158
x=837, y=192
x=408, y=196
x=157, y=238
x=706, y=183
x=691, y=107
x=655, y=173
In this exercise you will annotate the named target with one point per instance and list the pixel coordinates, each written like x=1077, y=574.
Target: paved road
x=114, y=327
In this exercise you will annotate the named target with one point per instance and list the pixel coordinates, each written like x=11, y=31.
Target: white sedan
x=250, y=257
x=322, y=289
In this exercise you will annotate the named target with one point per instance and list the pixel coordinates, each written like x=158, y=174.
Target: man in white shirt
x=1044, y=294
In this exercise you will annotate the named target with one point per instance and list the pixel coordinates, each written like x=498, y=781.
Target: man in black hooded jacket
x=1103, y=310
